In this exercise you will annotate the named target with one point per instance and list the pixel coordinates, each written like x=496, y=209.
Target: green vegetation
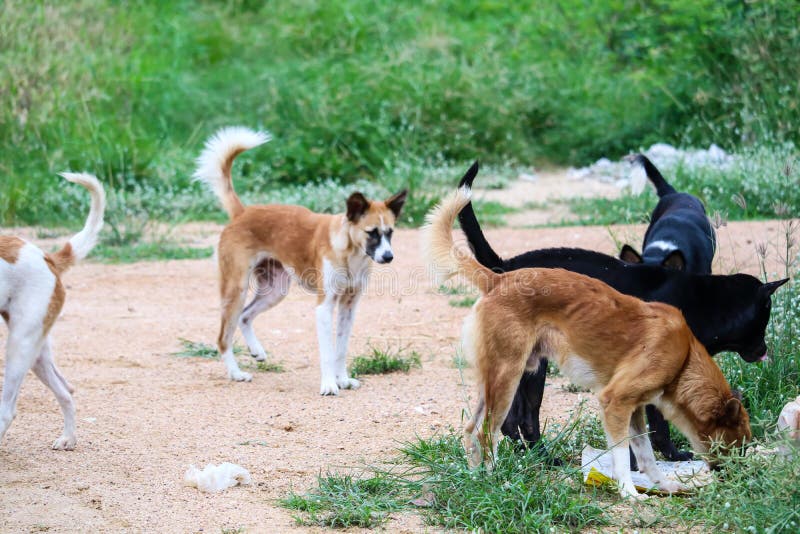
x=464, y=297
x=148, y=251
x=761, y=183
x=198, y=349
x=376, y=95
x=383, y=361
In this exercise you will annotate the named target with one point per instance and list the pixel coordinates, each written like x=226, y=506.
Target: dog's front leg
x=643, y=450
x=616, y=422
x=327, y=355
x=346, y=315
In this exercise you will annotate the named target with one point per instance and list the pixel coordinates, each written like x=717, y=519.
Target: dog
x=725, y=313
x=680, y=235
x=329, y=255
x=31, y=297
x=627, y=351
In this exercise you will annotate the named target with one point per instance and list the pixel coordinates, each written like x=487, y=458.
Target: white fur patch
x=666, y=246
x=219, y=147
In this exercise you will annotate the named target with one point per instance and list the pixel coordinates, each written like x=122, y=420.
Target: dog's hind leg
x=272, y=286
x=640, y=443
x=233, y=292
x=22, y=348
x=47, y=372
x=346, y=314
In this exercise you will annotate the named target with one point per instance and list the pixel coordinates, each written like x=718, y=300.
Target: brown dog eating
x=629, y=352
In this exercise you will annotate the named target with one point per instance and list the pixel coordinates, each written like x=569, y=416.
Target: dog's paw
x=347, y=383
x=240, y=376
x=680, y=456
x=328, y=387
x=65, y=443
x=259, y=354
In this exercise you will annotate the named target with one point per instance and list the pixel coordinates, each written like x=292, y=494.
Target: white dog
x=31, y=297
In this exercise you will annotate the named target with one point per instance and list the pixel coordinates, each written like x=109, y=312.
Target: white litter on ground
x=662, y=155
x=789, y=424
x=215, y=478
x=596, y=468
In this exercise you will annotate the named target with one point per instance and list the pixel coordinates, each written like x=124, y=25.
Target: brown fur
x=296, y=239
x=630, y=352
x=9, y=248
x=57, y=263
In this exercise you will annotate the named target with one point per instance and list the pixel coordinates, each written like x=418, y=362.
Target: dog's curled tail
x=216, y=159
x=84, y=241
x=444, y=258
x=644, y=168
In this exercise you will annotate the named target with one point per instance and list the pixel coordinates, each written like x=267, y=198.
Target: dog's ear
x=732, y=410
x=357, y=206
x=675, y=261
x=629, y=255
x=770, y=287
x=396, y=201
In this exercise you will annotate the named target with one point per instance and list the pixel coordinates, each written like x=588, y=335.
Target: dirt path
x=144, y=415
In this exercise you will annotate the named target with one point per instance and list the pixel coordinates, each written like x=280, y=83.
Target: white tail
x=216, y=159
x=84, y=241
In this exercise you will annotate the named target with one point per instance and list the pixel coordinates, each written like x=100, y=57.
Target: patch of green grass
x=383, y=361
x=344, y=501
x=753, y=493
x=198, y=349
x=263, y=367
x=160, y=251
x=465, y=296
x=430, y=476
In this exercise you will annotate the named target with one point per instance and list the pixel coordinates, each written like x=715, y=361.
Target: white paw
x=328, y=387
x=347, y=382
x=259, y=354
x=64, y=443
x=240, y=376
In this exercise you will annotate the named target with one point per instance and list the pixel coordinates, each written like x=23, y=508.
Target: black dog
x=726, y=313
x=680, y=235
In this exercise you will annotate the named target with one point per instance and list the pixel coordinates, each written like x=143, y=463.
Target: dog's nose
x=387, y=257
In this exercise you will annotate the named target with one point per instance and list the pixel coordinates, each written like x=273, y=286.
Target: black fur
x=679, y=219
x=726, y=313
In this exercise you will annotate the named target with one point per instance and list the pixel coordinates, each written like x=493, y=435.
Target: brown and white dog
x=31, y=297
x=329, y=255
x=629, y=352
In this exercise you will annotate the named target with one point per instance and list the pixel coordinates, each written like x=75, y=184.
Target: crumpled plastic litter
x=216, y=478
x=597, y=469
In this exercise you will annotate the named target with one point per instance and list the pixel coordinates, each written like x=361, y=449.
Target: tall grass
x=380, y=92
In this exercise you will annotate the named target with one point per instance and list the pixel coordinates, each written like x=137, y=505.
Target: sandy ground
x=144, y=414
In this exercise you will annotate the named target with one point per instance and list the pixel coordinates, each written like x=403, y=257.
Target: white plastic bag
x=215, y=478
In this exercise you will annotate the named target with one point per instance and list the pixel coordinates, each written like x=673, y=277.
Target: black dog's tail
x=484, y=253
x=662, y=187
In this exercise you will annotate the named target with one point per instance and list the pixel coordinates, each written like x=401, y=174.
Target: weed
x=149, y=251
x=198, y=349
x=383, y=361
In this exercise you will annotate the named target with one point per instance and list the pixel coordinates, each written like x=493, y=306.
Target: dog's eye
x=374, y=233
x=388, y=233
